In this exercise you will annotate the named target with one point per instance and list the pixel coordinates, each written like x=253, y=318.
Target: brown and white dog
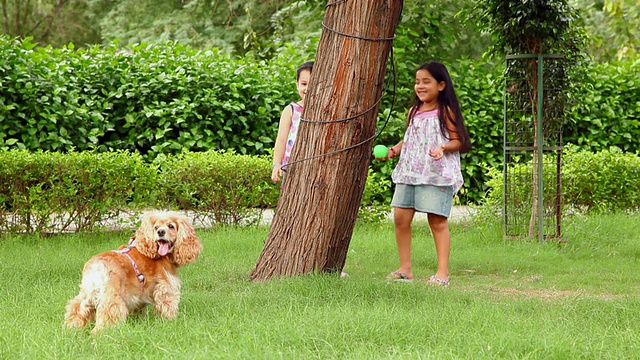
x=143, y=272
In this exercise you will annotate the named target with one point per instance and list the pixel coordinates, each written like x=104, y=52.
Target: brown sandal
x=398, y=276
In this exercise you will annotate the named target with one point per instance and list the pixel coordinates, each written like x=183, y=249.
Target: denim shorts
x=424, y=198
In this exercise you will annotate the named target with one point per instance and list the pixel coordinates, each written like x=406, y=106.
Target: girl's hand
x=276, y=173
x=391, y=153
x=437, y=153
x=382, y=158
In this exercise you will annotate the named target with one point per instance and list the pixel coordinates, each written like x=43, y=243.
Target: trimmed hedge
x=605, y=181
x=47, y=192
x=219, y=185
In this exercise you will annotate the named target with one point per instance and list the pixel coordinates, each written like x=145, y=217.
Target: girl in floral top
x=289, y=122
x=428, y=174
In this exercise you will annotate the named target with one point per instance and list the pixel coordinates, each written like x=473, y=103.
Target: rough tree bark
x=319, y=200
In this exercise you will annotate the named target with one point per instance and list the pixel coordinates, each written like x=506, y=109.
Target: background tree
x=319, y=202
x=263, y=27
x=613, y=28
x=48, y=22
x=228, y=25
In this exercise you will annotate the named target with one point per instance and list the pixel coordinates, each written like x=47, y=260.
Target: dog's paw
x=167, y=311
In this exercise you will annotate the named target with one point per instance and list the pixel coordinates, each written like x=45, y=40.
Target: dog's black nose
x=161, y=232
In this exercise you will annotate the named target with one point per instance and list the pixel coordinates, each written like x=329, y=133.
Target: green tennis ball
x=380, y=151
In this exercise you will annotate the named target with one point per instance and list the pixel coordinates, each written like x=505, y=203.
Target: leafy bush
x=607, y=108
x=219, y=185
x=376, y=198
x=607, y=180
x=604, y=181
x=480, y=90
x=166, y=99
x=155, y=100
x=46, y=192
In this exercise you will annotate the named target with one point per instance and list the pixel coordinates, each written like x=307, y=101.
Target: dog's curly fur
x=110, y=287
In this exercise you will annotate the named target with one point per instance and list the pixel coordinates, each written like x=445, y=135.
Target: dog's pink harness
x=125, y=252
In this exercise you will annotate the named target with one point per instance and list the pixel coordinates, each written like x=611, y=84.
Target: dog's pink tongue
x=163, y=249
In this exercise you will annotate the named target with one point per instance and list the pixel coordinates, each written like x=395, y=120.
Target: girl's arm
x=454, y=144
x=395, y=150
x=281, y=140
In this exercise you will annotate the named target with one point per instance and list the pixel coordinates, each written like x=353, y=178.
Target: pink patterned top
x=415, y=166
x=296, y=112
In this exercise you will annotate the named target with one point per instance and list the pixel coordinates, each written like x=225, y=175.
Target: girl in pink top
x=428, y=174
x=289, y=123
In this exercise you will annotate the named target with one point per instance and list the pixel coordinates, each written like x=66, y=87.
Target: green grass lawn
x=507, y=299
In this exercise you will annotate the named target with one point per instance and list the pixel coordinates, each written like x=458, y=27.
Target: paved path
x=129, y=220
x=458, y=214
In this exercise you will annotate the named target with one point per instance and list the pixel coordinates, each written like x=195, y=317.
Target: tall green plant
x=531, y=27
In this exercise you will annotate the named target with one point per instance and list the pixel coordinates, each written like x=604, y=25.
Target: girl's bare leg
x=402, y=218
x=440, y=229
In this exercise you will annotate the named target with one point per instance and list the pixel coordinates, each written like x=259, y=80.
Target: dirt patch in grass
x=528, y=287
x=545, y=294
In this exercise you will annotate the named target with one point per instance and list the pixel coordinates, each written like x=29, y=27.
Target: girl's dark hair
x=448, y=106
x=305, y=66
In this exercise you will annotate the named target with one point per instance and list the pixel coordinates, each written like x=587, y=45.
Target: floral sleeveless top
x=415, y=166
x=296, y=112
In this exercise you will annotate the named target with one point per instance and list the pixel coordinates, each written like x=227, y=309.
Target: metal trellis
x=533, y=117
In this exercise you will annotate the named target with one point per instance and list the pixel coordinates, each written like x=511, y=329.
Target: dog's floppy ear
x=144, y=236
x=188, y=246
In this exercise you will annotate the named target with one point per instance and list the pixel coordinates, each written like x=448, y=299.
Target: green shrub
x=168, y=98
x=606, y=110
x=162, y=99
x=376, y=198
x=605, y=181
x=480, y=90
x=219, y=185
x=48, y=192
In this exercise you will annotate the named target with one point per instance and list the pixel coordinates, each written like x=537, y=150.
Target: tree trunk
x=321, y=194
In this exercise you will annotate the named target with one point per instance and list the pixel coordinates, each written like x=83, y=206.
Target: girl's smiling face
x=302, y=84
x=427, y=88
